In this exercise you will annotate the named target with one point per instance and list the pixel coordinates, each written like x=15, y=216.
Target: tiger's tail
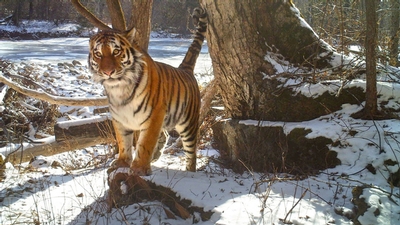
x=200, y=21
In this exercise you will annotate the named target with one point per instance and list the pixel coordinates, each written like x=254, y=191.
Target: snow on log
x=98, y=126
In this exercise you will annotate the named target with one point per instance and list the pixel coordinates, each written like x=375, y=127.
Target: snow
x=92, y=119
x=35, y=26
x=70, y=188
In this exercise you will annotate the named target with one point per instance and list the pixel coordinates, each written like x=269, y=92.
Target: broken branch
x=58, y=100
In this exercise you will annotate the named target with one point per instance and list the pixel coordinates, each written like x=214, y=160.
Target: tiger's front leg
x=145, y=147
x=124, y=138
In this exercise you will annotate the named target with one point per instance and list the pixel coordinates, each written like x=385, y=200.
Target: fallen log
x=69, y=135
x=126, y=189
x=98, y=126
x=54, y=147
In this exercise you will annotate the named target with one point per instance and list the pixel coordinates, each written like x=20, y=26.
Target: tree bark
x=371, y=39
x=240, y=34
x=394, y=33
x=141, y=20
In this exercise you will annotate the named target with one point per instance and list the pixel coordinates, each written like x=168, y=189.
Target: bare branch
x=117, y=15
x=90, y=16
x=84, y=101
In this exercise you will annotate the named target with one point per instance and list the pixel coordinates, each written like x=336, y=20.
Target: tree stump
x=269, y=149
x=126, y=189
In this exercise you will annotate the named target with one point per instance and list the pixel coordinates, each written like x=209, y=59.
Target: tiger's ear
x=132, y=35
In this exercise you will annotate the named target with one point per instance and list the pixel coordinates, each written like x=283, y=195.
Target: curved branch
x=58, y=100
x=89, y=16
x=117, y=15
x=28, y=81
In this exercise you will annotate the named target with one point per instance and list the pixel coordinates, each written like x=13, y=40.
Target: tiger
x=148, y=96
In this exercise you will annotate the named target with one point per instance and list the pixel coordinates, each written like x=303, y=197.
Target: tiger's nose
x=108, y=72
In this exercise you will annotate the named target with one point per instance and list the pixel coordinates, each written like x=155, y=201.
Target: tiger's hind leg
x=189, y=142
x=124, y=141
x=162, y=141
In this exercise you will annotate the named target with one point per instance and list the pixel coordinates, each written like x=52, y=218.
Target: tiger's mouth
x=114, y=79
x=109, y=81
x=115, y=75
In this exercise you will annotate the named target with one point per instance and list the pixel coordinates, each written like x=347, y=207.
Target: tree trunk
x=241, y=33
x=17, y=13
x=243, y=36
x=47, y=10
x=141, y=20
x=371, y=39
x=30, y=9
x=394, y=32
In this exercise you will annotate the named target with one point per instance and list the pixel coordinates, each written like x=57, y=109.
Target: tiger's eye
x=97, y=54
x=116, y=52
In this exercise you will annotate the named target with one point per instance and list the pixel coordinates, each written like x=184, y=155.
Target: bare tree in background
x=394, y=33
x=371, y=108
x=17, y=12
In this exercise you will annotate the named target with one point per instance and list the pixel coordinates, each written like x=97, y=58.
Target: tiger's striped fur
x=148, y=96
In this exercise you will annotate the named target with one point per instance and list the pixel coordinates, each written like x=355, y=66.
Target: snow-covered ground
x=72, y=190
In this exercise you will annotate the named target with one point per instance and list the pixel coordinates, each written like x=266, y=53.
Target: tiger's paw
x=140, y=170
x=116, y=164
x=119, y=163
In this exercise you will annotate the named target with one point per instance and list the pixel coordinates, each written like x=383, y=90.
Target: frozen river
x=167, y=50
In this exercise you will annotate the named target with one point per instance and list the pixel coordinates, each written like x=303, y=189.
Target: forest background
x=338, y=22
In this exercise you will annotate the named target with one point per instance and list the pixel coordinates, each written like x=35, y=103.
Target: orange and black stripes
x=148, y=96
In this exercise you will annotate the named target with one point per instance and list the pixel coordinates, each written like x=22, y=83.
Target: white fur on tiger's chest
x=124, y=115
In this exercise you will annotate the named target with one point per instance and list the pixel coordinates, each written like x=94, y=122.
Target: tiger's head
x=113, y=59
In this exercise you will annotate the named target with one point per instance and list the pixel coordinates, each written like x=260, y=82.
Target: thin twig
x=290, y=211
